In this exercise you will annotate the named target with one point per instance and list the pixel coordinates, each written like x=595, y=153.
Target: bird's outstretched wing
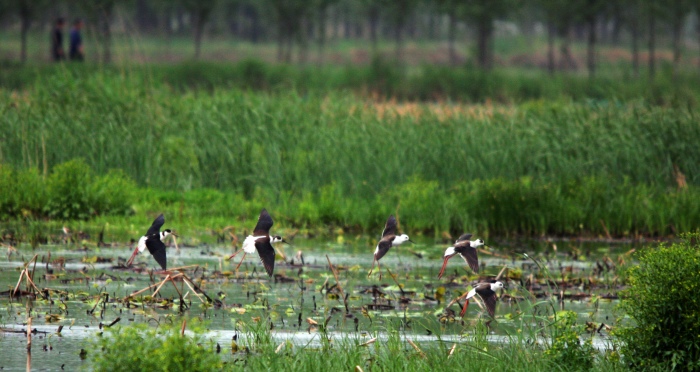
x=267, y=254
x=390, y=227
x=264, y=224
x=157, y=249
x=156, y=225
x=470, y=257
x=489, y=298
x=383, y=247
x=464, y=237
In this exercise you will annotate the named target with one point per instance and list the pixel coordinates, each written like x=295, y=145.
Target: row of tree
x=298, y=23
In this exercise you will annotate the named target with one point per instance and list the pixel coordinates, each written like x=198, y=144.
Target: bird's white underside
x=142, y=244
x=249, y=244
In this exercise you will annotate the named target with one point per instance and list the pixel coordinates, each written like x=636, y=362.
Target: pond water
x=89, y=289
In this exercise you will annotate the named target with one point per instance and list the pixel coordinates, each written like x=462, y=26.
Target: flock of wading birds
x=261, y=242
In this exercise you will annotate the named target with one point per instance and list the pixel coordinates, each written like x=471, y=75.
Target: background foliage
x=663, y=306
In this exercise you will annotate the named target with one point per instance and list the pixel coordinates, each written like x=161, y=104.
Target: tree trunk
x=24, y=30
x=255, y=26
x=373, y=21
x=302, y=38
x=198, y=31
x=451, y=33
x=105, y=30
x=280, y=45
x=567, y=62
x=431, y=26
x=634, y=29
x=484, y=34
x=321, y=35
x=590, y=53
x=677, y=37
x=398, y=54
x=551, y=36
x=652, y=44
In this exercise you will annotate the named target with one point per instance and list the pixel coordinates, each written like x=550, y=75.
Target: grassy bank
x=383, y=79
x=335, y=159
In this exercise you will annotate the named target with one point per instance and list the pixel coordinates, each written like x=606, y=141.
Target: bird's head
x=165, y=233
x=277, y=239
x=496, y=286
x=476, y=243
x=449, y=252
x=402, y=238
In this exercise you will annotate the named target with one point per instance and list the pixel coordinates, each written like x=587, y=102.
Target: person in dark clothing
x=76, y=41
x=57, y=51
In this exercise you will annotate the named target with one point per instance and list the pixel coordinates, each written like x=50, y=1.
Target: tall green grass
x=384, y=79
x=532, y=168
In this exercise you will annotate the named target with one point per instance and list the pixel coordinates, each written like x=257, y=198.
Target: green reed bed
x=534, y=168
x=381, y=78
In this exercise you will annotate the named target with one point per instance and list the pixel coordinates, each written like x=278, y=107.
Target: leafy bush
x=22, y=193
x=139, y=348
x=567, y=348
x=663, y=303
x=112, y=193
x=69, y=190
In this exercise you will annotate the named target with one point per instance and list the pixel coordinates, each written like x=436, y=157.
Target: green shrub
x=139, y=348
x=567, y=348
x=663, y=304
x=112, y=193
x=22, y=193
x=69, y=190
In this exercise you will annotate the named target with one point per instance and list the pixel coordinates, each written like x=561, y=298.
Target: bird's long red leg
x=239, y=264
x=464, y=309
x=234, y=254
x=133, y=255
x=444, y=265
x=370, y=270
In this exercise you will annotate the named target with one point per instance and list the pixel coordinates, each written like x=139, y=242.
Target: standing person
x=57, y=51
x=76, y=41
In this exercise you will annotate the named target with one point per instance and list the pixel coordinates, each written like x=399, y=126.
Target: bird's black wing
x=469, y=255
x=266, y=253
x=157, y=249
x=464, y=237
x=489, y=298
x=264, y=224
x=156, y=225
x=384, y=246
x=390, y=227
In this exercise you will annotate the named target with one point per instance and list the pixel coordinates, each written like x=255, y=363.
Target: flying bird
x=261, y=241
x=487, y=292
x=388, y=240
x=153, y=240
x=466, y=249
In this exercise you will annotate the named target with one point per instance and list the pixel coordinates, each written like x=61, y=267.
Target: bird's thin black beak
x=288, y=243
x=411, y=241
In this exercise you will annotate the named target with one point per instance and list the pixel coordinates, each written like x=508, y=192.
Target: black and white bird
x=389, y=239
x=487, y=292
x=466, y=249
x=153, y=240
x=261, y=241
